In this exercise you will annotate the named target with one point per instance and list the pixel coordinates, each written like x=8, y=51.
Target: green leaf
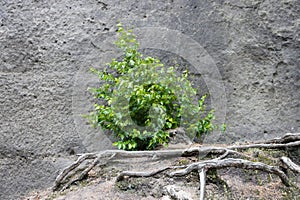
x=121, y=78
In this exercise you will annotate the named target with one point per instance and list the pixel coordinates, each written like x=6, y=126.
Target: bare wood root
x=105, y=156
x=288, y=140
x=290, y=164
x=64, y=174
x=101, y=158
x=202, y=178
x=143, y=174
x=289, y=137
x=204, y=150
x=212, y=164
x=231, y=162
x=82, y=175
x=152, y=155
x=85, y=172
x=265, y=145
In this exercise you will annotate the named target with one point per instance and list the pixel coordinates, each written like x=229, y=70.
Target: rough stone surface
x=46, y=48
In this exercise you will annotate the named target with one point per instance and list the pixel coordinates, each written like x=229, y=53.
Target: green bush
x=141, y=99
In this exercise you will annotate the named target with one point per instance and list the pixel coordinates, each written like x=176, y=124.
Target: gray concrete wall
x=47, y=47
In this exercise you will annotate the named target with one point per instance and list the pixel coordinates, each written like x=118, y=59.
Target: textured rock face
x=47, y=47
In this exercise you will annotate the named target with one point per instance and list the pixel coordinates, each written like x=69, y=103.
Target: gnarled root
x=227, y=157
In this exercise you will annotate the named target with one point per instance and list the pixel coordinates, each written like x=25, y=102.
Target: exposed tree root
x=66, y=172
x=232, y=162
x=290, y=164
x=85, y=172
x=144, y=174
x=202, y=178
x=287, y=138
x=105, y=157
x=237, y=159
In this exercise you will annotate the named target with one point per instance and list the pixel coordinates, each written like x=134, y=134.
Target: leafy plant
x=141, y=99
